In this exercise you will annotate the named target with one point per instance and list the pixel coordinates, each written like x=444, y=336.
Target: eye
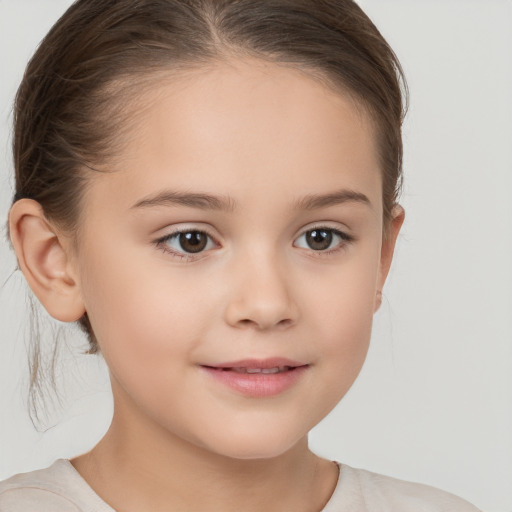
x=183, y=243
x=322, y=239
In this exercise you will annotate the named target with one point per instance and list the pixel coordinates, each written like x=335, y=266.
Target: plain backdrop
x=434, y=401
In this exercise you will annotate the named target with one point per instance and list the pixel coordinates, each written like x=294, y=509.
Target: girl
x=210, y=189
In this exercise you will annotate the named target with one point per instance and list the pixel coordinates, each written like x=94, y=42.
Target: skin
x=266, y=137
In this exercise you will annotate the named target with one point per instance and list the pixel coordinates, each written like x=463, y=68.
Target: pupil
x=194, y=241
x=319, y=239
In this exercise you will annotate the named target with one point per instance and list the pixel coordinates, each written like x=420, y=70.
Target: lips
x=257, y=377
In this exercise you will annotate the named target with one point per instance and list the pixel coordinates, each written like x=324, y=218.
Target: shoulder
x=379, y=493
x=36, y=490
x=57, y=488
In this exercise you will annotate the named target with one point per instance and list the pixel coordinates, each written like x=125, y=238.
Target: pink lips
x=258, y=378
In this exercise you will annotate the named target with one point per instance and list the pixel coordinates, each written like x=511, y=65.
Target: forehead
x=235, y=127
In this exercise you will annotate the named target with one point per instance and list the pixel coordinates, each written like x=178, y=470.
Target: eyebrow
x=316, y=201
x=225, y=203
x=192, y=200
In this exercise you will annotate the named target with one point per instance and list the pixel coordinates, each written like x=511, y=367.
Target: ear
x=45, y=261
x=387, y=250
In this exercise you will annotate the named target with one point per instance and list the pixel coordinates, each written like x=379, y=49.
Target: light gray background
x=434, y=401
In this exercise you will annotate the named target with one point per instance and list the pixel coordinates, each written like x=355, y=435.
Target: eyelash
x=161, y=242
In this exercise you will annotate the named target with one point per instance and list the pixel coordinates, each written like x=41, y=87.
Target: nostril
x=286, y=322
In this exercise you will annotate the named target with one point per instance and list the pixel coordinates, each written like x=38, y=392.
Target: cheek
x=148, y=324
x=142, y=313
x=343, y=316
x=346, y=300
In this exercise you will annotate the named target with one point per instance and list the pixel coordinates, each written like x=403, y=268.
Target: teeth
x=277, y=369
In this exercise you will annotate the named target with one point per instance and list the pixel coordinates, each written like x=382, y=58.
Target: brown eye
x=319, y=239
x=323, y=239
x=193, y=241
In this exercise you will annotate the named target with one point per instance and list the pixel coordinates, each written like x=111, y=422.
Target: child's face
x=283, y=157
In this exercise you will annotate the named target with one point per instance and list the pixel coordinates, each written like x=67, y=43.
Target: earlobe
x=44, y=260
x=378, y=301
x=387, y=250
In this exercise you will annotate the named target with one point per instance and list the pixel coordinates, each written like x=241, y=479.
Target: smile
x=257, y=379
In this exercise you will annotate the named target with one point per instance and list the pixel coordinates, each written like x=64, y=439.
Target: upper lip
x=272, y=362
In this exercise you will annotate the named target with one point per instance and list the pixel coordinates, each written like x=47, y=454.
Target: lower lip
x=257, y=385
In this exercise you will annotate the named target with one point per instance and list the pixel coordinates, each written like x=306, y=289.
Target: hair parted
x=70, y=115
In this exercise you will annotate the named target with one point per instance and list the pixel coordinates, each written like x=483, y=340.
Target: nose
x=260, y=295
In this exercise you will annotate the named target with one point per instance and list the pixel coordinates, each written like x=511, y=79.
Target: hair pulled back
x=68, y=112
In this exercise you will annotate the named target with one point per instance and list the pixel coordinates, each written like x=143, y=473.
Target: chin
x=256, y=446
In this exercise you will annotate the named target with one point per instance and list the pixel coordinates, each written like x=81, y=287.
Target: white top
x=60, y=488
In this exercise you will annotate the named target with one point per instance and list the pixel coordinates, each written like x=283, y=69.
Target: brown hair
x=68, y=111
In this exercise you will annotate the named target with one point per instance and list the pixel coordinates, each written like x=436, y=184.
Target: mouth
x=254, y=366
x=258, y=378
